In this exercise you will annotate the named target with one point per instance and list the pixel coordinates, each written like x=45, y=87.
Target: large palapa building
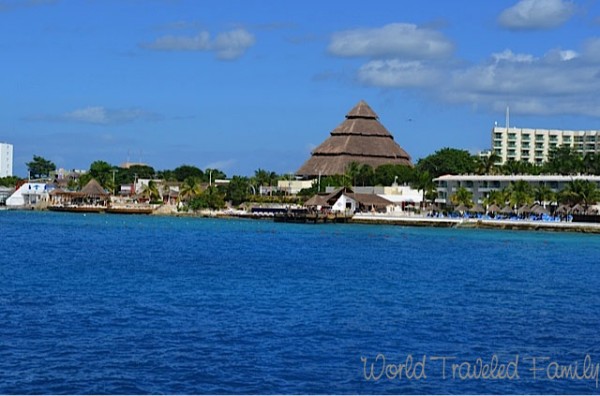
x=360, y=138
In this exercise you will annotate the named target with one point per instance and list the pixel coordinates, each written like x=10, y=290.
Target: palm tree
x=543, y=194
x=424, y=182
x=151, y=191
x=462, y=196
x=497, y=197
x=521, y=193
x=352, y=171
x=582, y=192
x=190, y=189
x=487, y=164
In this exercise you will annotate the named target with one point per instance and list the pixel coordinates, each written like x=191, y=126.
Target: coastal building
x=6, y=160
x=361, y=138
x=482, y=185
x=293, y=187
x=5, y=192
x=345, y=200
x=534, y=145
x=29, y=194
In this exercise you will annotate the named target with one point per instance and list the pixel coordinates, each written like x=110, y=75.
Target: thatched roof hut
x=360, y=138
x=93, y=189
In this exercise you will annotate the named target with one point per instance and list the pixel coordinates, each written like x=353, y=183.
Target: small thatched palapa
x=93, y=189
x=360, y=138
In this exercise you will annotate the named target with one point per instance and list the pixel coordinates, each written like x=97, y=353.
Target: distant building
x=534, y=145
x=6, y=160
x=361, y=138
x=482, y=185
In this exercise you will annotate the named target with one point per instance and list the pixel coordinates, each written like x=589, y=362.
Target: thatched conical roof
x=93, y=189
x=360, y=138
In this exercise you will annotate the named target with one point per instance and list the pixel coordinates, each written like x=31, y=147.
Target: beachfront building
x=6, y=160
x=28, y=195
x=346, y=200
x=534, y=145
x=361, y=138
x=482, y=185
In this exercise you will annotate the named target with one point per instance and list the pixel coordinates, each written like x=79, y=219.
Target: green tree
x=521, y=193
x=211, y=198
x=462, y=196
x=40, y=167
x=151, y=191
x=579, y=191
x=9, y=181
x=366, y=175
x=186, y=171
x=563, y=160
x=543, y=194
x=190, y=188
x=102, y=171
x=497, y=197
x=352, y=171
x=487, y=165
x=424, y=182
x=237, y=190
x=448, y=161
x=386, y=175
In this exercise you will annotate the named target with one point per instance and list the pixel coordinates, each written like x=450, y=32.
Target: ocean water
x=133, y=304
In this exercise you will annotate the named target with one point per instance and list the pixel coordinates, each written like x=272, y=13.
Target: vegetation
x=462, y=196
x=40, y=167
x=9, y=181
x=448, y=161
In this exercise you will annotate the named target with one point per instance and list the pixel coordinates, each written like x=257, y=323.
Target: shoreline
x=522, y=225
x=394, y=220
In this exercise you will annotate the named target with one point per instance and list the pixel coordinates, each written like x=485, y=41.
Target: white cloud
x=99, y=115
x=199, y=42
x=233, y=44
x=403, y=40
x=536, y=14
x=395, y=73
x=508, y=55
x=562, y=81
x=226, y=46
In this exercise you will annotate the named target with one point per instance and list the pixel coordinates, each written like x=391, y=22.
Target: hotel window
x=495, y=184
x=497, y=136
x=497, y=144
x=469, y=184
x=590, y=138
x=552, y=145
x=525, y=137
x=566, y=139
x=511, y=144
x=512, y=136
x=539, y=145
x=511, y=152
x=553, y=138
x=524, y=153
x=539, y=138
x=498, y=151
x=525, y=145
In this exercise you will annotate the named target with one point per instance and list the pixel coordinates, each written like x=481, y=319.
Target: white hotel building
x=534, y=145
x=482, y=185
x=6, y=160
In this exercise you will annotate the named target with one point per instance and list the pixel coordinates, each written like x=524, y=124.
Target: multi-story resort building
x=6, y=160
x=534, y=145
x=482, y=185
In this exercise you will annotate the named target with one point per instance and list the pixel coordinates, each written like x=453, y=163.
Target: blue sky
x=248, y=84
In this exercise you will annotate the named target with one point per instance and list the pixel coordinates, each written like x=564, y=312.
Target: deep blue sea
x=134, y=304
